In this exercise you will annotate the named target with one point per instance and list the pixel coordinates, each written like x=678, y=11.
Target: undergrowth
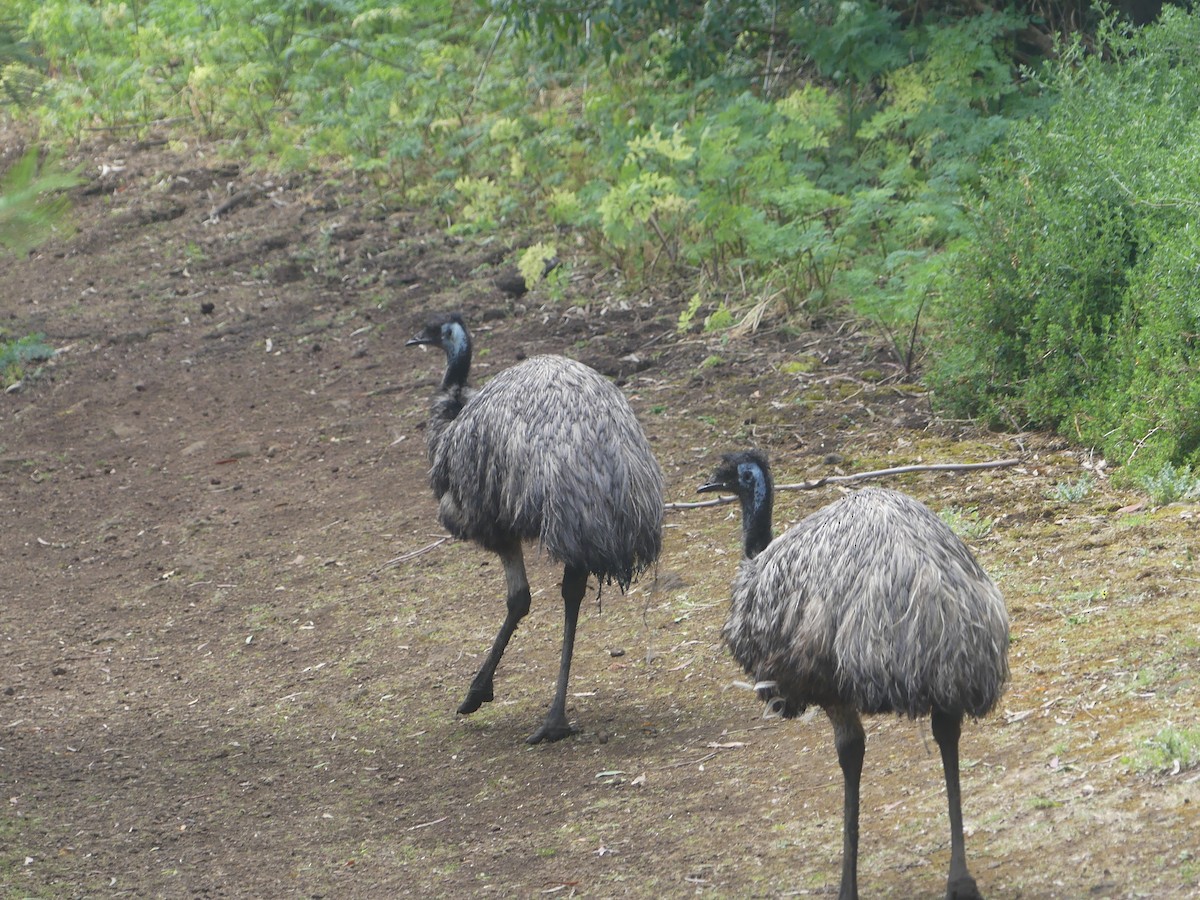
x=16, y=355
x=33, y=205
x=831, y=181
x=1075, y=308
x=1171, y=749
x=1170, y=484
x=1024, y=235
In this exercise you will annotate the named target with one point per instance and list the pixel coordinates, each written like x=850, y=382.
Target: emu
x=548, y=451
x=870, y=605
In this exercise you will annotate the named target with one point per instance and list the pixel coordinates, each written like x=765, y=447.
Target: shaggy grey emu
x=870, y=605
x=548, y=450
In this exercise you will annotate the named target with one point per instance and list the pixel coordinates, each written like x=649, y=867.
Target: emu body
x=547, y=451
x=870, y=605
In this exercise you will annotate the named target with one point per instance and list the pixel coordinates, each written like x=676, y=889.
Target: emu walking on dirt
x=548, y=450
x=870, y=605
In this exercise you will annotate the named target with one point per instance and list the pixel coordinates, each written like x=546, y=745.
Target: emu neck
x=756, y=519
x=449, y=403
x=458, y=362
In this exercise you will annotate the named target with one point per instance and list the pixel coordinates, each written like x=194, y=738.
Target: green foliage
x=688, y=314
x=20, y=68
x=535, y=262
x=17, y=354
x=697, y=38
x=1073, y=491
x=968, y=523
x=679, y=160
x=815, y=198
x=1076, y=305
x=1171, y=749
x=32, y=205
x=1169, y=484
x=388, y=91
x=538, y=265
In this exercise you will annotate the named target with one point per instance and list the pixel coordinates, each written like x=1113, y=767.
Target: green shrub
x=1074, y=490
x=1171, y=749
x=794, y=159
x=32, y=201
x=1170, y=484
x=1077, y=304
x=968, y=523
x=17, y=354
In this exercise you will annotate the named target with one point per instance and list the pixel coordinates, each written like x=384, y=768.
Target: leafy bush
x=17, y=354
x=1170, y=484
x=1077, y=305
x=968, y=523
x=32, y=205
x=816, y=195
x=1074, y=490
x=693, y=146
x=699, y=37
x=1172, y=749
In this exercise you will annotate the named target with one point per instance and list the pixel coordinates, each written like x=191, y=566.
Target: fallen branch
x=427, y=824
x=858, y=476
x=392, y=563
x=238, y=199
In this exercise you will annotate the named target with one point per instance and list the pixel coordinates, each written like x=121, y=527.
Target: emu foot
x=962, y=888
x=476, y=697
x=551, y=730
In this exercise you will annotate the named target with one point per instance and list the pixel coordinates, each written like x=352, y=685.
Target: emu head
x=449, y=332
x=747, y=474
x=740, y=473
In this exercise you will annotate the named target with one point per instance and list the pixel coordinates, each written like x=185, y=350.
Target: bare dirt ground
x=231, y=647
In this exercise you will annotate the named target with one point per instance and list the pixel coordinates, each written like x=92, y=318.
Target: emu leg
x=556, y=727
x=946, y=729
x=851, y=744
x=480, y=691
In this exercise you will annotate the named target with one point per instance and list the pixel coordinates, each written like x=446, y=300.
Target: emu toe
x=551, y=731
x=476, y=697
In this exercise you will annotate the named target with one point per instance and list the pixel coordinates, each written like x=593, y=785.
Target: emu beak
x=709, y=487
x=418, y=341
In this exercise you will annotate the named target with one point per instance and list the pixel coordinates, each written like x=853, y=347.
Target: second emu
x=548, y=451
x=870, y=605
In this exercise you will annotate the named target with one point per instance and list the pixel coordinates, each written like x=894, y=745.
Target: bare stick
x=427, y=824
x=858, y=476
x=404, y=557
x=235, y=201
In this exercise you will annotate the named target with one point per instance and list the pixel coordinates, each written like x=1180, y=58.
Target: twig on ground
x=427, y=824
x=404, y=557
x=858, y=476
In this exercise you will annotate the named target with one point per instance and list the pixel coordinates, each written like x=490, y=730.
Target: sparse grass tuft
x=1074, y=490
x=1171, y=749
x=16, y=355
x=967, y=522
x=1044, y=803
x=1170, y=484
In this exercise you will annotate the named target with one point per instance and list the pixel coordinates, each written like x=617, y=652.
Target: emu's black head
x=445, y=331
x=741, y=473
x=747, y=474
x=449, y=332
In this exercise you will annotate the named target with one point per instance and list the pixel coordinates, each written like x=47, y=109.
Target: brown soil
x=231, y=647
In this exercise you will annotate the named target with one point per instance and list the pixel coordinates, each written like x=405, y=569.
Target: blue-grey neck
x=757, y=501
x=457, y=344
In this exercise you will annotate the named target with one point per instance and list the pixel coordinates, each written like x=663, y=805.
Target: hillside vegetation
x=1019, y=232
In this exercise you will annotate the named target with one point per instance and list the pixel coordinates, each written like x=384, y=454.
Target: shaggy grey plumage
x=546, y=451
x=870, y=605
